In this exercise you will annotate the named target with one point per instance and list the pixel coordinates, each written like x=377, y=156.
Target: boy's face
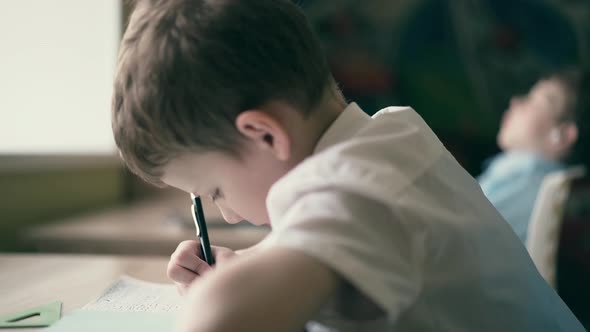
x=273, y=142
x=527, y=123
x=238, y=187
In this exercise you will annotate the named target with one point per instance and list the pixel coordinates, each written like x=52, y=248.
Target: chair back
x=544, y=226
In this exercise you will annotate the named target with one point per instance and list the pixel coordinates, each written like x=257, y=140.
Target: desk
x=151, y=227
x=30, y=280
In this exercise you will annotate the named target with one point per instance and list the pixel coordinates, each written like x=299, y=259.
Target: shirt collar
x=522, y=160
x=351, y=120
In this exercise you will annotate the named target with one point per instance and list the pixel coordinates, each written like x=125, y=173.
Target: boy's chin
x=505, y=143
x=259, y=223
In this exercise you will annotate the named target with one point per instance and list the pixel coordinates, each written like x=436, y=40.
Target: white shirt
x=387, y=207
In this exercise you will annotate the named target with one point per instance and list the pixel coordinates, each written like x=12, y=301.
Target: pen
x=199, y=218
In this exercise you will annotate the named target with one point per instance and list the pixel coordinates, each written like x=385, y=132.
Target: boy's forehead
x=549, y=86
x=551, y=92
x=188, y=172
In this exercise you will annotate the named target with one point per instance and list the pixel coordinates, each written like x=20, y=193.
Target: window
x=57, y=61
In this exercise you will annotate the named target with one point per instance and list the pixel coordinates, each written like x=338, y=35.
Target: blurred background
x=63, y=188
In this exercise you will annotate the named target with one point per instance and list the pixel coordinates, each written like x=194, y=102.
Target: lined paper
x=133, y=295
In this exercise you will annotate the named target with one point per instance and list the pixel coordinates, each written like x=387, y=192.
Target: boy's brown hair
x=576, y=85
x=187, y=68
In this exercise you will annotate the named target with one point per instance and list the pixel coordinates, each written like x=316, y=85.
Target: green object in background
x=40, y=316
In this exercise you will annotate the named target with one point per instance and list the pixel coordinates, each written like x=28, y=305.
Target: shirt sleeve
x=359, y=239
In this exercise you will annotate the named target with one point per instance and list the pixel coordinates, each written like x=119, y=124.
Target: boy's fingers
x=188, y=259
x=181, y=275
x=199, y=266
x=184, y=265
x=188, y=245
x=184, y=275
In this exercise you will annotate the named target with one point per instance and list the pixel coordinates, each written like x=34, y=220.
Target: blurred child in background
x=537, y=134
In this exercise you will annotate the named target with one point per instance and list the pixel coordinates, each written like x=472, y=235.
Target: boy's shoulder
x=373, y=156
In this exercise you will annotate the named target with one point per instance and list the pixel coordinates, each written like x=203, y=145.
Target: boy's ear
x=569, y=134
x=564, y=137
x=265, y=132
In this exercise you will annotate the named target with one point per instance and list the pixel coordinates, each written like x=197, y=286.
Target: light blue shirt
x=511, y=182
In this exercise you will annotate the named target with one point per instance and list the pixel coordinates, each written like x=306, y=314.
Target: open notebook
x=127, y=305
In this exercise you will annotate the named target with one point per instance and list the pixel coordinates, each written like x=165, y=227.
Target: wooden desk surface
x=29, y=280
x=152, y=227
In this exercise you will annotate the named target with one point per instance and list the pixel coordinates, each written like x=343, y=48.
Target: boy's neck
x=321, y=120
x=306, y=131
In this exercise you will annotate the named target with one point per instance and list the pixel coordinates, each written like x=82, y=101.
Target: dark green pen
x=199, y=219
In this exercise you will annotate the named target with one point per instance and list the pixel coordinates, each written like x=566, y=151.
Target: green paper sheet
x=101, y=321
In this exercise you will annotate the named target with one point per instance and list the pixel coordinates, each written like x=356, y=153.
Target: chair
x=545, y=224
x=573, y=260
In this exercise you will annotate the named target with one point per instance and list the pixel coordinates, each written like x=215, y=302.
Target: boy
x=375, y=227
x=536, y=136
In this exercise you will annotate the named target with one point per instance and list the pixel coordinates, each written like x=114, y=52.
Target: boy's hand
x=186, y=264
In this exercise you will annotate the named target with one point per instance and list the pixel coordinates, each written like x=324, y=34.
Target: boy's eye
x=216, y=195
